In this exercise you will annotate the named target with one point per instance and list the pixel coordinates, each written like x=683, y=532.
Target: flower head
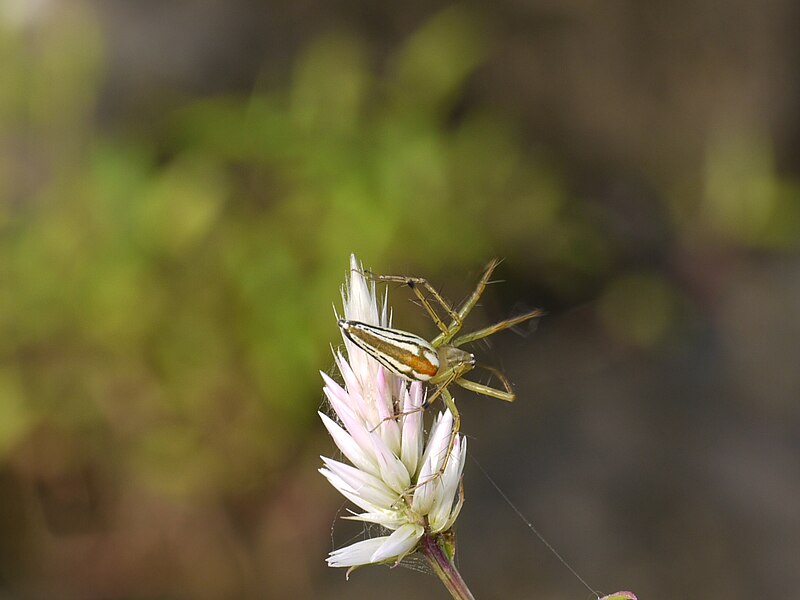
x=393, y=475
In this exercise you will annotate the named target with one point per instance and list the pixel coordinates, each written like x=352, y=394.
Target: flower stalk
x=438, y=550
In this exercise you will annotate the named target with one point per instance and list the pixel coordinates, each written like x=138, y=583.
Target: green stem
x=439, y=560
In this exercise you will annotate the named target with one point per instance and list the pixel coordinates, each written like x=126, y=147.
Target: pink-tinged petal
x=399, y=544
x=354, y=426
x=334, y=387
x=393, y=471
x=354, y=453
x=356, y=554
x=620, y=596
x=353, y=386
x=417, y=394
x=388, y=428
x=365, y=485
x=351, y=382
x=401, y=393
x=361, y=391
x=345, y=410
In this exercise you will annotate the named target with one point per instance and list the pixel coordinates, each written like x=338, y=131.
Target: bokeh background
x=181, y=185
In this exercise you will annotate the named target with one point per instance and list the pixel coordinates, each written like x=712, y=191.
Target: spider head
x=451, y=357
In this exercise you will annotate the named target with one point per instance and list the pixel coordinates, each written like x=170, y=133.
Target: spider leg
x=468, y=304
x=492, y=329
x=451, y=404
x=396, y=416
x=506, y=395
x=418, y=284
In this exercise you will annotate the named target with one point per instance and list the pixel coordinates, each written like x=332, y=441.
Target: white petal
x=443, y=503
x=356, y=554
x=400, y=543
x=387, y=519
x=367, y=486
x=438, y=440
x=359, y=300
x=349, y=447
x=412, y=439
x=431, y=483
x=457, y=508
x=426, y=493
x=393, y=471
x=360, y=304
x=386, y=313
x=345, y=490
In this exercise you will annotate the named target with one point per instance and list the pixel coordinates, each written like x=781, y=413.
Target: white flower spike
x=392, y=478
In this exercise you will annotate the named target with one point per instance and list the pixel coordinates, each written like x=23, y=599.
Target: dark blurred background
x=181, y=185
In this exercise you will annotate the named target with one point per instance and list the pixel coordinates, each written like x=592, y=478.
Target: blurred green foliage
x=168, y=297
x=745, y=199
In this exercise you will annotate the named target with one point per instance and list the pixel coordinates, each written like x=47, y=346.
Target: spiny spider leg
x=396, y=416
x=441, y=387
x=415, y=283
x=492, y=329
x=468, y=305
x=506, y=394
x=457, y=317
